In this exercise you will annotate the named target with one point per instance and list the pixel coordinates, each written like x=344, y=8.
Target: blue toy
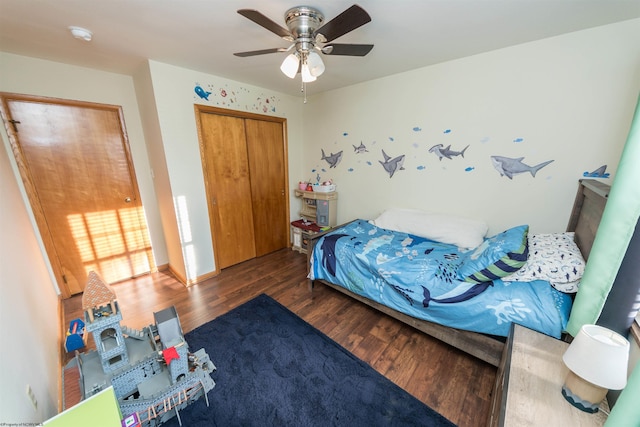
x=75, y=335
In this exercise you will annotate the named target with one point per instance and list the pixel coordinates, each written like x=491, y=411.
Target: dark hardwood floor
x=449, y=381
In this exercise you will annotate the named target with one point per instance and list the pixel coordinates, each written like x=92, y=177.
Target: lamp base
x=582, y=394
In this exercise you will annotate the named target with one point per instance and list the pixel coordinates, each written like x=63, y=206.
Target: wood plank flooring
x=449, y=381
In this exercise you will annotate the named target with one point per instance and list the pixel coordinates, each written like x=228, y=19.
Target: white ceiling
x=202, y=35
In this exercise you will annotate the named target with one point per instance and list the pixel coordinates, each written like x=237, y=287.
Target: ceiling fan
x=310, y=35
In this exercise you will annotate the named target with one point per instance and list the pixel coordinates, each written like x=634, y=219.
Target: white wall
x=569, y=99
x=158, y=164
x=175, y=95
x=28, y=311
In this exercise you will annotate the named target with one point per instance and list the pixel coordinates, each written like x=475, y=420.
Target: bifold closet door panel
x=228, y=181
x=267, y=167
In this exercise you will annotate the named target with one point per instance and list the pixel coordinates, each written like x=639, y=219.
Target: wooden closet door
x=265, y=146
x=225, y=160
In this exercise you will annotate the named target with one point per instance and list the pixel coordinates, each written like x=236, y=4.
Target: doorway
x=75, y=162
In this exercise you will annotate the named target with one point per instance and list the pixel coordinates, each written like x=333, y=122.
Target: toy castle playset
x=152, y=372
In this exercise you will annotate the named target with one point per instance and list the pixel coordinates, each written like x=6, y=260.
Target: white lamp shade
x=599, y=356
x=307, y=77
x=316, y=66
x=290, y=66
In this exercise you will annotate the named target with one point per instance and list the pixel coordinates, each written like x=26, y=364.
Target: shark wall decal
x=360, y=148
x=392, y=165
x=447, y=152
x=509, y=167
x=333, y=159
x=598, y=173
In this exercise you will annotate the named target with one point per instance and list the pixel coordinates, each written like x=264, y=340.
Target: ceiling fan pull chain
x=303, y=88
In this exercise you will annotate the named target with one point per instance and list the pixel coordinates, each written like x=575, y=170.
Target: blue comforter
x=417, y=276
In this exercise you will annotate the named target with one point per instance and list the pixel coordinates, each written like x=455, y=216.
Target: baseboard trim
x=190, y=282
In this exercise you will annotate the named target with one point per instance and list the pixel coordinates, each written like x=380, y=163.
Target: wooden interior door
x=74, y=159
x=227, y=175
x=265, y=145
x=244, y=163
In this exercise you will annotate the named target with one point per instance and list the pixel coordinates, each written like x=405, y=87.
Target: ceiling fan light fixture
x=307, y=77
x=316, y=66
x=308, y=32
x=290, y=65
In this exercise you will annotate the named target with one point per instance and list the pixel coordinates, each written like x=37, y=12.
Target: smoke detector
x=81, y=33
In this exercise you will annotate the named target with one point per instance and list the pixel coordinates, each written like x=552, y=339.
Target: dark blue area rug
x=274, y=369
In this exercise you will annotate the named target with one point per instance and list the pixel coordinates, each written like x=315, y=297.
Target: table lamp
x=597, y=360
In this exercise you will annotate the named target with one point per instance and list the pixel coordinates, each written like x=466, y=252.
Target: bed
x=461, y=291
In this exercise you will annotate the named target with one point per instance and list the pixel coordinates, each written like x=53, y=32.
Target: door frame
x=29, y=186
x=210, y=189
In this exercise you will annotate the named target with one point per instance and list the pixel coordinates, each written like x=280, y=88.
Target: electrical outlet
x=32, y=397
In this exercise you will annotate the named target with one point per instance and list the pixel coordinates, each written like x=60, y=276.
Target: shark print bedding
x=421, y=278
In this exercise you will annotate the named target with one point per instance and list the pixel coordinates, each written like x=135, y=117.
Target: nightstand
x=301, y=233
x=529, y=382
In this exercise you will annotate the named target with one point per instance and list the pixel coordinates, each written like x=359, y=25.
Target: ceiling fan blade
x=347, y=49
x=267, y=23
x=261, y=52
x=348, y=20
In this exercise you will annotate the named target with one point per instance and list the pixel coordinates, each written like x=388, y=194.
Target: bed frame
x=585, y=218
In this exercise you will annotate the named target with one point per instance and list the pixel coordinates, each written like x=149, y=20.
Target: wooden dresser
x=529, y=382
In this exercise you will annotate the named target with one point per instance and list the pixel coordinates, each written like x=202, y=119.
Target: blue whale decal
x=463, y=292
x=202, y=93
x=329, y=252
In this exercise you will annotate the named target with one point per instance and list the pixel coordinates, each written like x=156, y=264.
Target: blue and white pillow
x=497, y=257
x=554, y=257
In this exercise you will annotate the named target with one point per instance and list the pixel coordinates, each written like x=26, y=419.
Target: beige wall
x=569, y=99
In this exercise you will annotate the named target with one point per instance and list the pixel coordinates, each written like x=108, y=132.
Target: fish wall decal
x=201, y=92
x=509, y=167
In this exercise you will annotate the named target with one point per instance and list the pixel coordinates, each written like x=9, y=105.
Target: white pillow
x=463, y=232
x=553, y=257
x=567, y=288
